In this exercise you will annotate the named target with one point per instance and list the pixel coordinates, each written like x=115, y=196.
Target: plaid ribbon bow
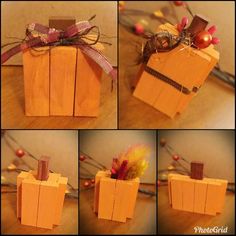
x=73, y=35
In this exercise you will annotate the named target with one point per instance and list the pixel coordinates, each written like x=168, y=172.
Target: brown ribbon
x=169, y=81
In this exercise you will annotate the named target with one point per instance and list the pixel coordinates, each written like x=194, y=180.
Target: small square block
x=196, y=170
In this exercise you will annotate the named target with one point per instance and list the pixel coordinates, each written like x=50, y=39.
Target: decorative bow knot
x=73, y=35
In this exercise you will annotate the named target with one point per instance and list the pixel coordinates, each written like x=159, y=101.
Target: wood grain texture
x=98, y=177
x=23, y=175
x=200, y=196
x=13, y=107
x=47, y=204
x=178, y=65
x=47, y=199
x=30, y=198
x=136, y=114
x=88, y=86
x=62, y=80
x=212, y=198
x=125, y=199
x=177, y=194
x=12, y=226
x=220, y=194
x=133, y=192
x=121, y=201
x=106, y=198
x=169, y=220
x=59, y=201
x=143, y=221
x=188, y=194
x=36, y=82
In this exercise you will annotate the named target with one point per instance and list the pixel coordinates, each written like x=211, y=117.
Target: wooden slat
x=23, y=175
x=36, y=82
x=106, y=198
x=30, y=198
x=188, y=194
x=212, y=198
x=221, y=194
x=88, y=86
x=200, y=196
x=59, y=201
x=177, y=194
x=98, y=177
x=62, y=80
x=146, y=89
x=121, y=202
x=47, y=204
x=133, y=192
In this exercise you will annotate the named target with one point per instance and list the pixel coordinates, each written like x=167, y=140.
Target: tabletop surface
x=212, y=108
x=11, y=225
x=13, y=116
x=171, y=221
x=144, y=221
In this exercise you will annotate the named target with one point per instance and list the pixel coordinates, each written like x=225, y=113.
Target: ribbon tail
x=18, y=48
x=99, y=59
x=10, y=53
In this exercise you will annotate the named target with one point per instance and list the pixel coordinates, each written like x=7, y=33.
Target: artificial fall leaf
x=135, y=161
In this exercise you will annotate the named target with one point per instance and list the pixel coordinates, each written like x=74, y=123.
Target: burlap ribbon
x=73, y=35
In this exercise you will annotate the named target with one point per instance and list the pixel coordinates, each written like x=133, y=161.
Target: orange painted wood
x=175, y=176
x=221, y=195
x=53, y=177
x=125, y=199
x=133, y=192
x=220, y=192
x=88, y=86
x=42, y=202
x=146, y=89
x=200, y=196
x=98, y=177
x=30, y=198
x=47, y=204
x=212, y=198
x=188, y=194
x=106, y=198
x=59, y=201
x=205, y=196
x=176, y=194
x=23, y=175
x=122, y=198
x=187, y=66
x=62, y=80
x=36, y=82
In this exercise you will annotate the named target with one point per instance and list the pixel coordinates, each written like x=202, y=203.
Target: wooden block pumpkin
x=114, y=199
x=204, y=196
x=184, y=70
x=40, y=202
x=61, y=80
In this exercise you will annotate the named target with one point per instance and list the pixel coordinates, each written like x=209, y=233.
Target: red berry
x=215, y=40
x=212, y=29
x=178, y=3
x=20, y=153
x=92, y=181
x=86, y=184
x=82, y=157
x=203, y=39
x=175, y=157
x=138, y=28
